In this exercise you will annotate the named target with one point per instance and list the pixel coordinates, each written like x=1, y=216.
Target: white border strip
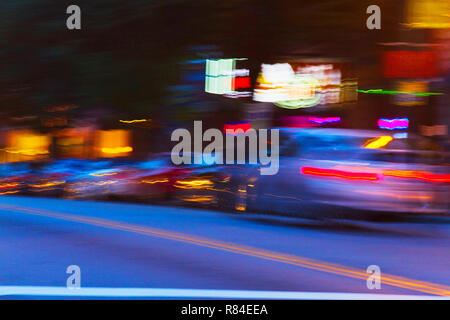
x=200, y=293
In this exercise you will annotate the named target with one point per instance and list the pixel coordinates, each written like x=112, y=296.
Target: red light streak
x=245, y=126
x=419, y=175
x=368, y=176
x=241, y=83
x=348, y=175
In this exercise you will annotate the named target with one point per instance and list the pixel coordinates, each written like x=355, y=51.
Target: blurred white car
x=332, y=171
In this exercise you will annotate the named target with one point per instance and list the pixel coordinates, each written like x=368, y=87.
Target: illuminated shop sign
x=304, y=84
x=412, y=93
x=323, y=120
x=301, y=93
x=113, y=143
x=232, y=127
x=330, y=81
x=279, y=84
x=410, y=64
x=393, y=124
x=429, y=14
x=222, y=77
x=219, y=75
x=307, y=121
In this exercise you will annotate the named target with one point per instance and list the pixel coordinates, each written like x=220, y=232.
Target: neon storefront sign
x=279, y=84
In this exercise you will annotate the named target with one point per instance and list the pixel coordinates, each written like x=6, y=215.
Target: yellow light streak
x=378, y=142
x=103, y=174
x=193, y=184
x=134, y=121
x=117, y=150
x=154, y=181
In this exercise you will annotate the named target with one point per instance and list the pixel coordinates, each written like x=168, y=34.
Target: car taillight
x=418, y=175
x=348, y=175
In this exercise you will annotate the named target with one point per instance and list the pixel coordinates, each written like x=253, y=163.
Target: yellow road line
x=313, y=264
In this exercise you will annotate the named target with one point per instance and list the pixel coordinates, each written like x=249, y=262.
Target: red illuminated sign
x=241, y=83
x=244, y=126
x=409, y=64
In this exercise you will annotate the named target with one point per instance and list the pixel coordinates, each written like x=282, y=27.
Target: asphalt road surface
x=131, y=250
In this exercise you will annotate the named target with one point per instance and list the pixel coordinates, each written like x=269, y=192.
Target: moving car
x=327, y=172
